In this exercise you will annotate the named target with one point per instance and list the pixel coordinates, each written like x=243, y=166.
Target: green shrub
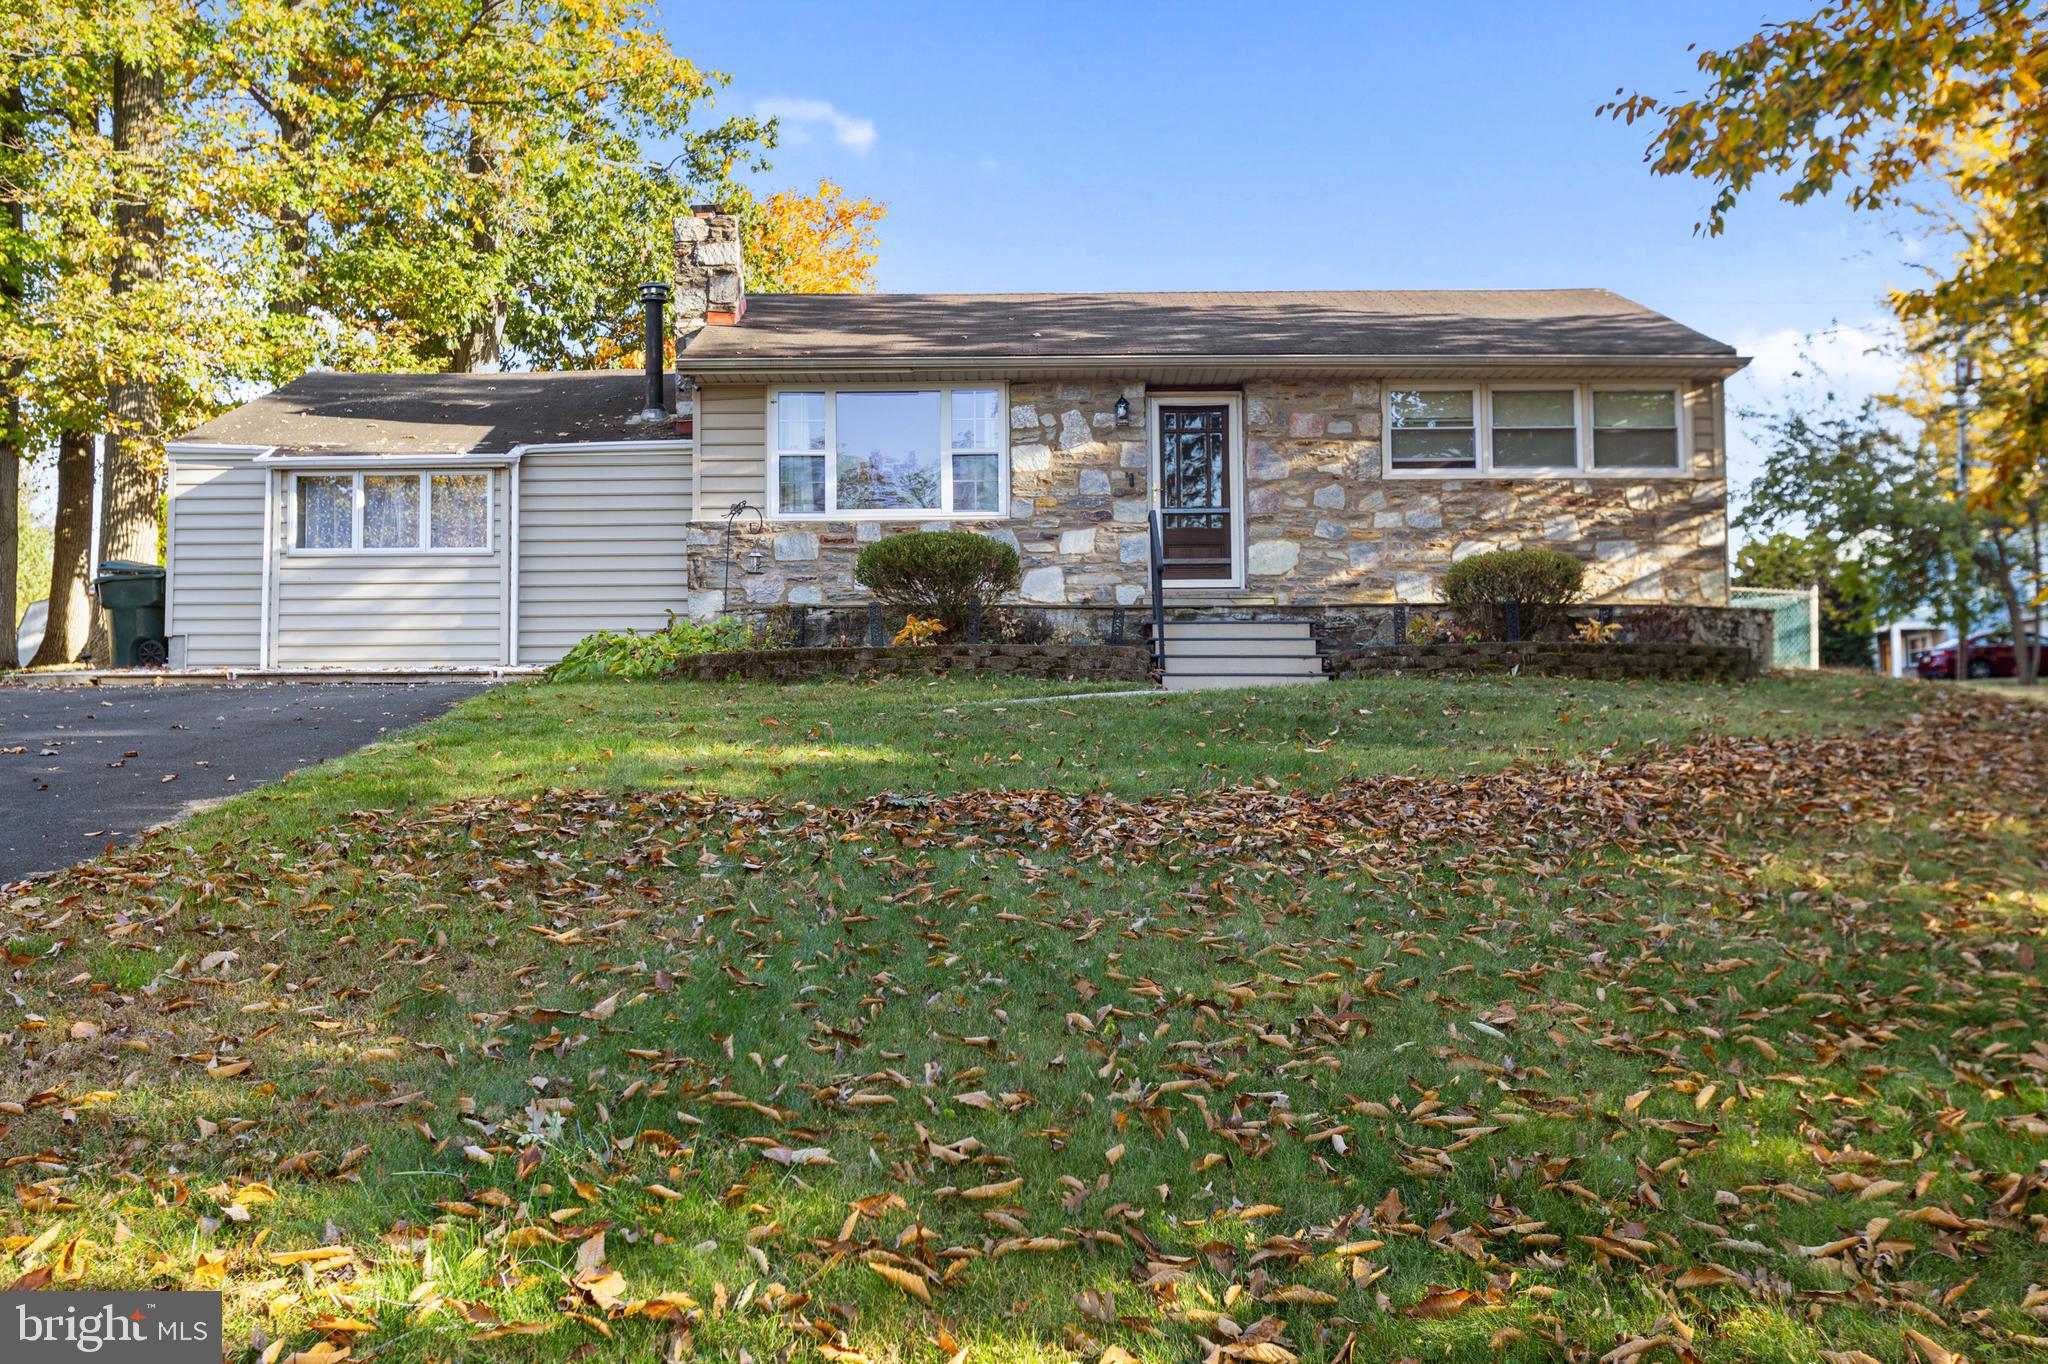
x=615, y=653
x=938, y=573
x=1543, y=581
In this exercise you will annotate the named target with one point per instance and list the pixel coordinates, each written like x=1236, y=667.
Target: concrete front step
x=1238, y=629
x=1244, y=660
x=1219, y=651
x=1218, y=681
x=1237, y=648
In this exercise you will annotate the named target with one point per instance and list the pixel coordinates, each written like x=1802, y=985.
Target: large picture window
x=391, y=513
x=912, y=453
x=1534, y=429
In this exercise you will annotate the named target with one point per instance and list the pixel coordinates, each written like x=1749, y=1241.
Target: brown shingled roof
x=1324, y=323
x=422, y=414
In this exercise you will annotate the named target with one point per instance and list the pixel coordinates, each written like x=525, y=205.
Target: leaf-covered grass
x=833, y=742
x=1464, y=1020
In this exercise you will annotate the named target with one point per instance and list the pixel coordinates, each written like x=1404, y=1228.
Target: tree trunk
x=2012, y=586
x=12, y=108
x=66, y=633
x=2040, y=583
x=1962, y=631
x=480, y=350
x=2016, y=621
x=134, y=448
x=1996, y=559
x=294, y=225
x=10, y=535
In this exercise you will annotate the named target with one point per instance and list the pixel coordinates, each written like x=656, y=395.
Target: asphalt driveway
x=82, y=767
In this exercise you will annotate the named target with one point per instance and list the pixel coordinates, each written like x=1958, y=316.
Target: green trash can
x=134, y=597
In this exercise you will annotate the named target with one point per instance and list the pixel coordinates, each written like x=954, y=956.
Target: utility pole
x=1965, y=372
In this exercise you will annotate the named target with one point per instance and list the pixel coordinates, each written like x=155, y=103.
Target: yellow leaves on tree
x=818, y=243
x=1939, y=107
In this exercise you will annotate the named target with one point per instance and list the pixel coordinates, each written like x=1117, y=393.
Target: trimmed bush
x=623, y=653
x=938, y=573
x=1543, y=582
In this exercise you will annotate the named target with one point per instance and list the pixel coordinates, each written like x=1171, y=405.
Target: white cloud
x=799, y=116
x=1851, y=360
x=1790, y=370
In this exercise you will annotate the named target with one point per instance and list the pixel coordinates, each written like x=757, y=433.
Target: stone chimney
x=710, y=284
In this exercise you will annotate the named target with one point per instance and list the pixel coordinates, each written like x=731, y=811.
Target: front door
x=1197, y=510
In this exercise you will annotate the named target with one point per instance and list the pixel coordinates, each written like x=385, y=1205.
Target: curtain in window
x=326, y=512
x=459, y=511
x=391, y=511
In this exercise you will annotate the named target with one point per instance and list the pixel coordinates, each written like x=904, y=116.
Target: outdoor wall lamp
x=1123, y=411
x=753, y=556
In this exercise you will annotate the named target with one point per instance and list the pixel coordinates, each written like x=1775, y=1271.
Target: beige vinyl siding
x=601, y=544
x=345, y=610
x=1705, y=400
x=215, y=558
x=732, y=447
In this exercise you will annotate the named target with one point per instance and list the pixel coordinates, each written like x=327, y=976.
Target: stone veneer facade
x=1324, y=525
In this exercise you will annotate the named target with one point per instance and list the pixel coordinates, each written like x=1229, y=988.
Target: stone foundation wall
x=1324, y=524
x=1597, y=662
x=1738, y=627
x=850, y=626
x=1097, y=663
x=1338, y=627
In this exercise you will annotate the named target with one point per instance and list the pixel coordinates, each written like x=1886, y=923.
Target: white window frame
x=1581, y=458
x=1482, y=411
x=772, y=436
x=424, y=541
x=1683, y=464
x=1582, y=405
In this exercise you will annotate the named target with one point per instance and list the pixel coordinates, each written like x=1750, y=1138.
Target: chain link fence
x=1795, y=619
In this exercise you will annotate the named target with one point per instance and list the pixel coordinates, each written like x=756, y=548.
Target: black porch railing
x=1158, y=568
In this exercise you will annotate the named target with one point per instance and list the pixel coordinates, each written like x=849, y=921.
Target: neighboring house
x=1305, y=451
x=1904, y=647
x=1902, y=641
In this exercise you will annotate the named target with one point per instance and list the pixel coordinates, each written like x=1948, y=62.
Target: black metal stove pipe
x=652, y=297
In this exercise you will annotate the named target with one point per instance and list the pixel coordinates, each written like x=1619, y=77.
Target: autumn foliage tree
x=1931, y=107
x=818, y=243
x=206, y=198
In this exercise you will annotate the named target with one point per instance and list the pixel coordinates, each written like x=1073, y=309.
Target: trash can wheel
x=151, y=653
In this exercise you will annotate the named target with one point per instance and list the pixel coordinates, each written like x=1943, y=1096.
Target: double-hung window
x=977, y=452
x=1433, y=429
x=1635, y=428
x=401, y=512
x=1533, y=429
x=911, y=453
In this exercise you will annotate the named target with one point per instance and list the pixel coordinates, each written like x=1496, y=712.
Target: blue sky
x=1290, y=145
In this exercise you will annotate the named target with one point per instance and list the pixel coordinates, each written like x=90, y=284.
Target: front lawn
x=1513, y=1019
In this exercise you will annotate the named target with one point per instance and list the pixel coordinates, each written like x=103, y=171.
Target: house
x=1308, y=453
x=1902, y=641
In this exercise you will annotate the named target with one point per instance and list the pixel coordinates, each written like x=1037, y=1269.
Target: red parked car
x=1991, y=655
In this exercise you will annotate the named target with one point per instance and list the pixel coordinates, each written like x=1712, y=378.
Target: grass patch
x=835, y=742
x=1472, y=1019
